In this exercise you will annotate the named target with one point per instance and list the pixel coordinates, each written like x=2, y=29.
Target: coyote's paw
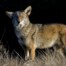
x=26, y=58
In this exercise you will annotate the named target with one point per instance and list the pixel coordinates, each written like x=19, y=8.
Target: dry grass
x=43, y=59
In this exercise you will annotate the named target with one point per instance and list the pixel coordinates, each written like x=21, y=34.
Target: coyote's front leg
x=33, y=53
x=27, y=54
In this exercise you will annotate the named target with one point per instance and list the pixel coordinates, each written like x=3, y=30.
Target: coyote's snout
x=36, y=35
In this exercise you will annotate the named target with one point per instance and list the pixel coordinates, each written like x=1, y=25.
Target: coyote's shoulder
x=37, y=35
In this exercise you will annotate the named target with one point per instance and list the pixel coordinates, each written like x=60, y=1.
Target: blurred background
x=43, y=11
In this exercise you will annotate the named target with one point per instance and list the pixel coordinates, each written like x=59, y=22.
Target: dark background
x=43, y=11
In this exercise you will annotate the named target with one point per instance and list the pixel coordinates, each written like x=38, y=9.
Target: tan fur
x=40, y=36
x=44, y=37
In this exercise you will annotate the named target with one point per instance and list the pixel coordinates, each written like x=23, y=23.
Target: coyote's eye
x=20, y=18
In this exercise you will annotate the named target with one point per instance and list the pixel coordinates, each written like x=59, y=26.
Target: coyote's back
x=36, y=35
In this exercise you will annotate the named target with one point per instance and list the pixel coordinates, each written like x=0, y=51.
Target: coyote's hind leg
x=64, y=42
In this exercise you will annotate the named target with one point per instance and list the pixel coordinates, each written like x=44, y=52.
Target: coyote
x=36, y=35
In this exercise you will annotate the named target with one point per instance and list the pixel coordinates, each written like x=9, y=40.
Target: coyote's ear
x=28, y=10
x=9, y=14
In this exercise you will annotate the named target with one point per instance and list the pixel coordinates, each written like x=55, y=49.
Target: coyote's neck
x=28, y=30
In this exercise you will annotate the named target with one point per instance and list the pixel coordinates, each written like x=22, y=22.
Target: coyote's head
x=20, y=19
